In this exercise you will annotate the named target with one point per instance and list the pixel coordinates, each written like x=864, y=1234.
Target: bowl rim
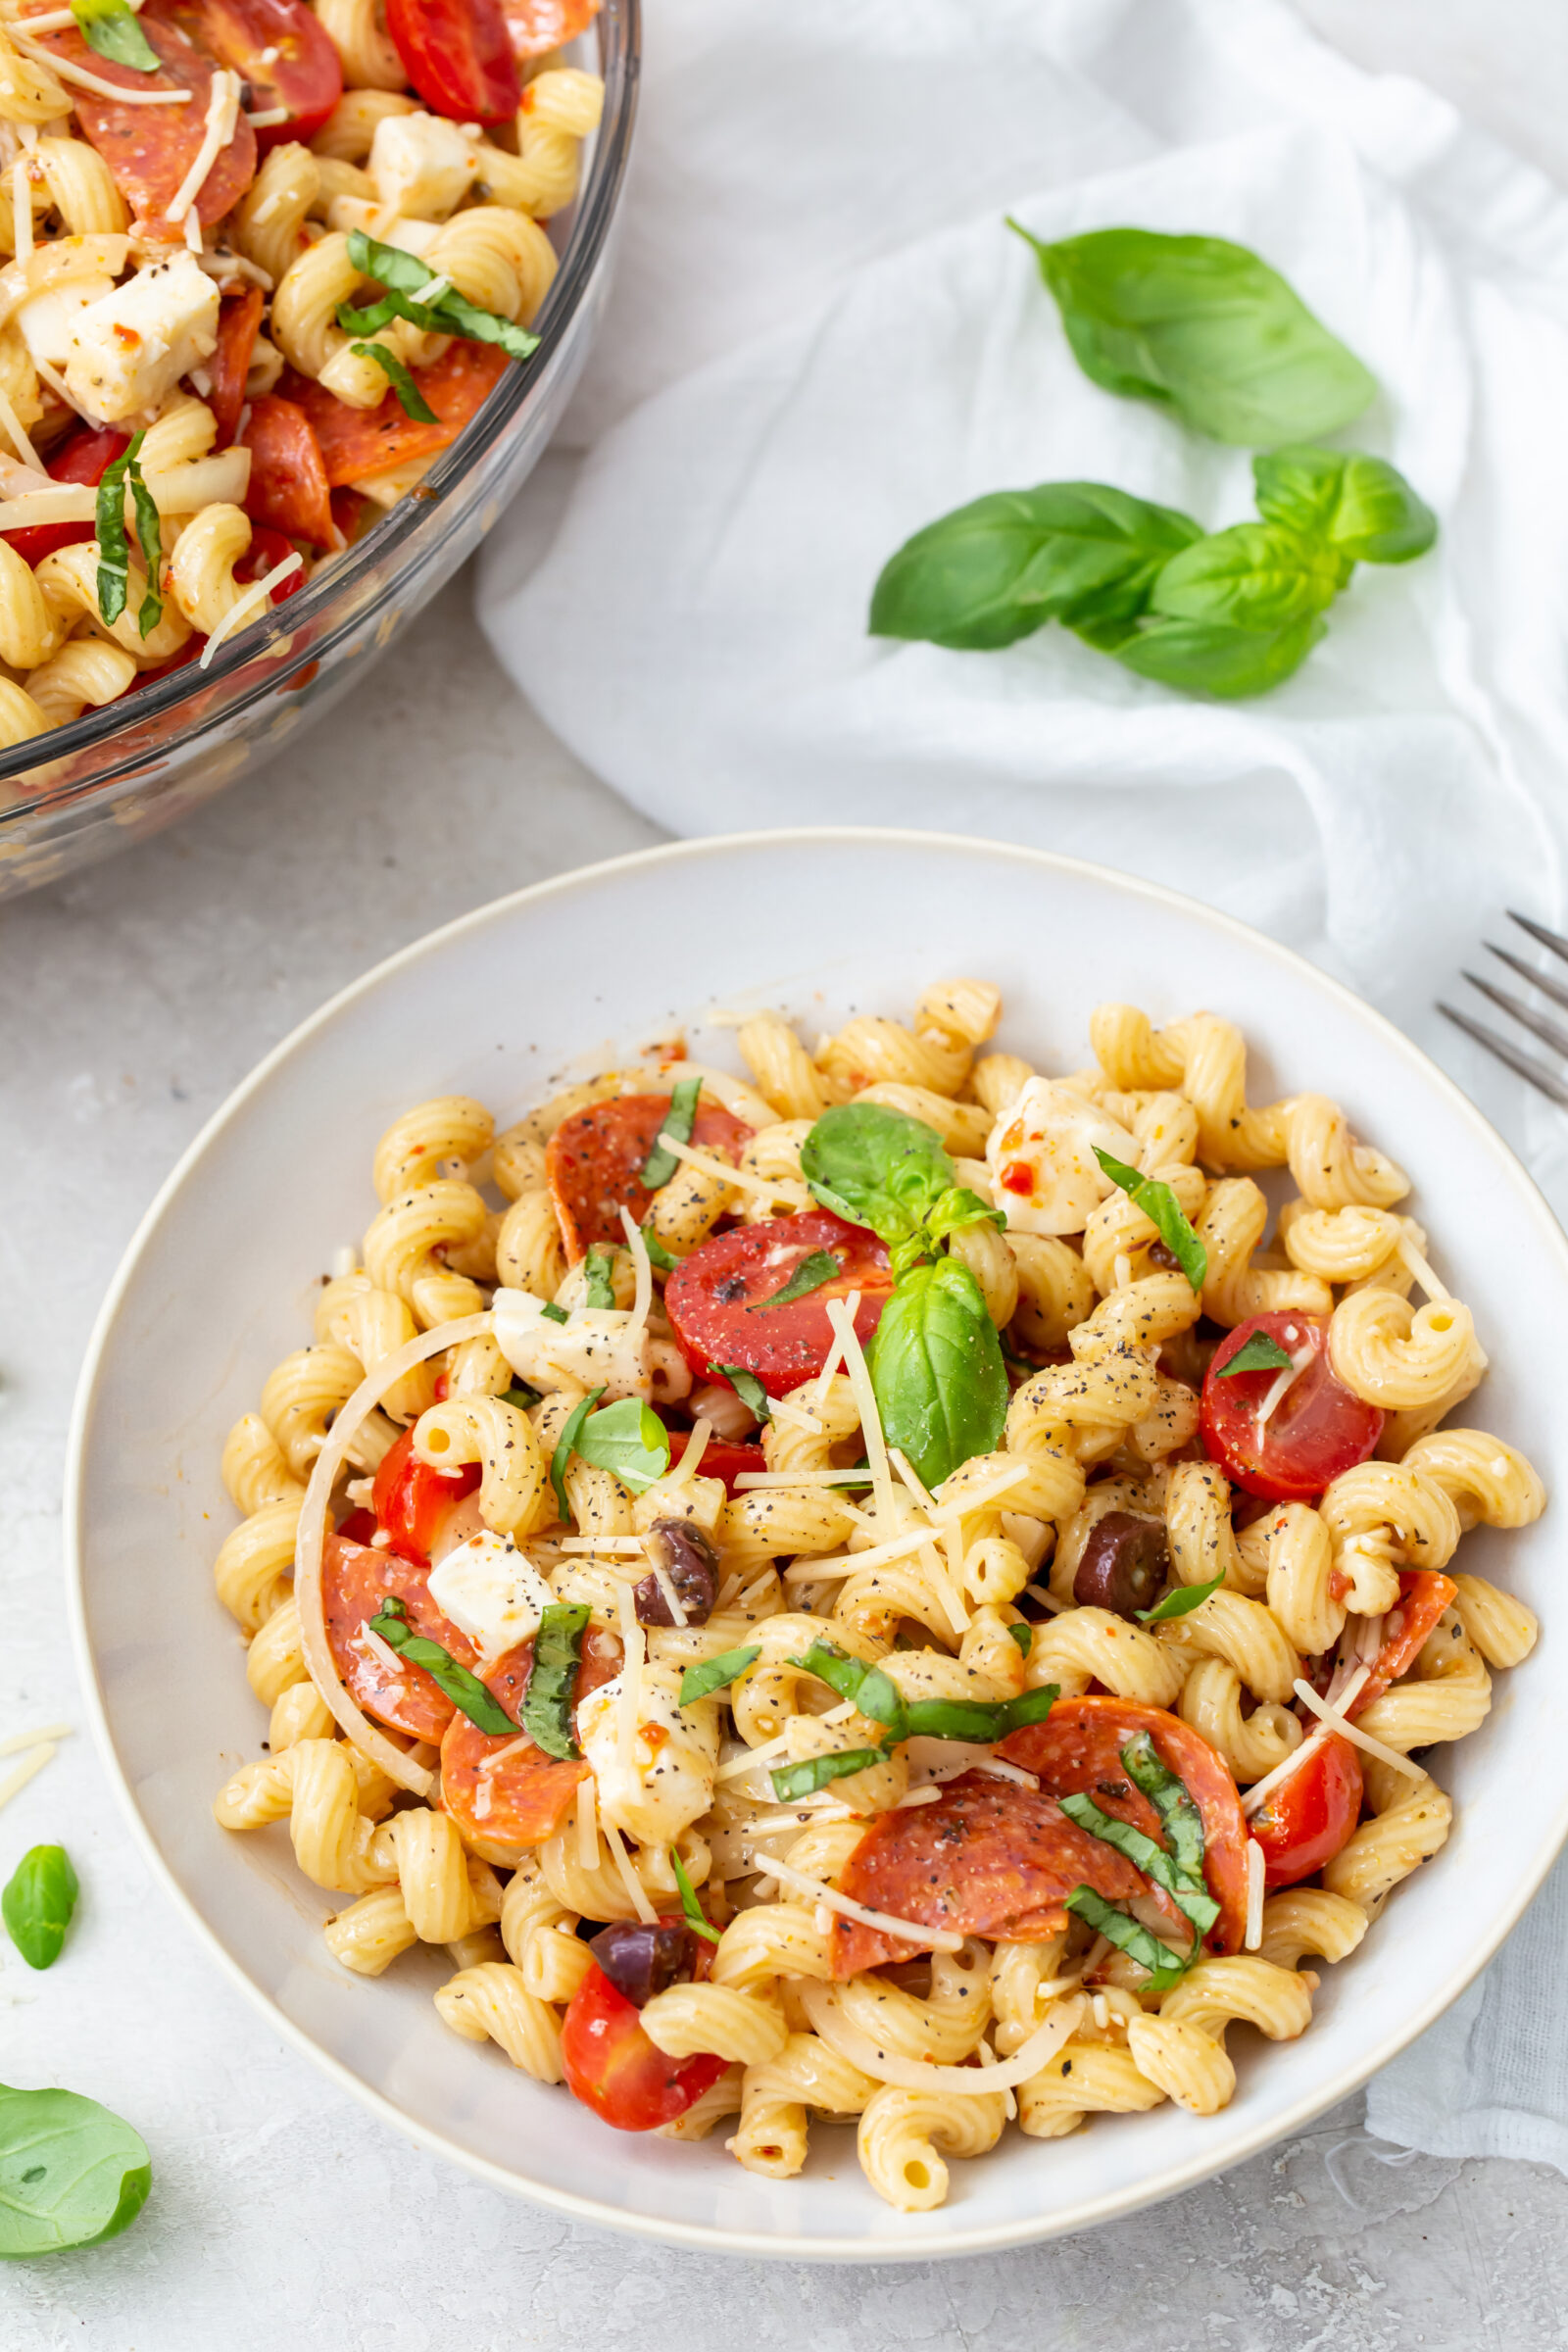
x=620, y=39
x=983, y=2238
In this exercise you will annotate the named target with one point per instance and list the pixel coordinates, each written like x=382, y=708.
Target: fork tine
x=1554, y=989
x=1550, y=1033
x=1553, y=940
x=1525, y=1064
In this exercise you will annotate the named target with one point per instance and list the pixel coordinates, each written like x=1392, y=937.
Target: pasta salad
x=267, y=258
x=867, y=1591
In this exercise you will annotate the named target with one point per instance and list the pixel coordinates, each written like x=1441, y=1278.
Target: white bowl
x=217, y=1286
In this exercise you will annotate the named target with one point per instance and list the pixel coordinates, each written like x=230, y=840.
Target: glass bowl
x=115, y=774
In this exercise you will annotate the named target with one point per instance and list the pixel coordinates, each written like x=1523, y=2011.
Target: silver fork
x=1552, y=1033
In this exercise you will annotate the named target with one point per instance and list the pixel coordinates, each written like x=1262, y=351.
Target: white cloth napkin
x=822, y=337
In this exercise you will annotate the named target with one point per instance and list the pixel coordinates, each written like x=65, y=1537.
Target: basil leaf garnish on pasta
x=1129, y=1936
x=869, y=1689
x=110, y=27
x=819, y=1267
x=1024, y=1635
x=39, y=1898
x=803, y=1780
x=628, y=1440
x=598, y=1269
x=464, y=1690
x=665, y=1259
x=746, y=1387
x=403, y=275
x=555, y=1314
x=522, y=1398
x=1168, y=1793
x=567, y=1443
x=679, y=1120
x=1177, y=1603
x=1165, y=1211
x=1256, y=1353
x=713, y=1674
x=977, y=1720
x=936, y=1366
x=548, y=1701
x=113, y=554
x=1201, y=1909
x=410, y=400
x=696, y=1917
x=877, y=1167
x=70, y=2173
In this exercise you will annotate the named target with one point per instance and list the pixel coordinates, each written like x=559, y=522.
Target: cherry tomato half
x=459, y=56
x=412, y=1499
x=86, y=458
x=150, y=149
x=266, y=550
x=1318, y=1429
x=1424, y=1595
x=718, y=1459
x=612, y=2067
x=279, y=49
x=1310, y=1816
x=716, y=1299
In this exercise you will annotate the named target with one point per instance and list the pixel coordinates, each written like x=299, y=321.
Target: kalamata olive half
x=640, y=1961
x=1124, y=1564
x=681, y=1549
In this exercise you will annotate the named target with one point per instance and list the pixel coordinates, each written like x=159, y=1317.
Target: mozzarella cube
x=421, y=164
x=491, y=1592
x=597, y=1346
x=129, y=350
x=48, y=321
x=1042, y=1158
x=668, y=1782
x=349, y=213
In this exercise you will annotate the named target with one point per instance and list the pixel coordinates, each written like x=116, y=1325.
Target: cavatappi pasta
x=870, y=1592
x=182, y=241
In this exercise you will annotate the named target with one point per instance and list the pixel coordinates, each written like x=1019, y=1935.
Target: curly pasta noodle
x=1244, y=1634
x=1182, y=2050
x=402, y=1242
x=1230, y=1225
x=1488, y=1483
x=1411, y=1821
x=514, y=1495
x=1083, y=2078
x=782, y=1071
x=1379, y=1513
x=804, y=2075
x=1397, y=1357
x=1308, y=1921
x=86, y=673
x=1251, y=1744
x=904, y=2136
x=347, y=134
x=1301, y=1578
x=358, y=31
x=497, y=257
x=1198, y=1528
x=492, y=2003
x=1090, y=1644
x=528, y=1252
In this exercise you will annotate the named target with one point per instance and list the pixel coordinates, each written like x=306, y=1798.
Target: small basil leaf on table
x=1257, y=575
x=803, y=1780
x=937, y=1371
x=713, y=1674
x=746, y=1387
x=1001, y=568
x=1364, y=506
x=1165, y=1211
x=696, y=1917
x=70, y=2173
x=1178, y=1603
x=599, y=1271
x=1205, y=328
x=39, y=1898
x=547, y=1705
x=628, y=1440
x=679, y=1120
x=464, y=1690
x=1165, y=1968
x=1206, y=657
x=1258, y=1353
x=809, y=1275
x=877, y=1167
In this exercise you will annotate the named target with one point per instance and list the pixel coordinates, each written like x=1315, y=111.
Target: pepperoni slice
x=595, y=1161
x=989, y=1858
x=525, y=1799
x=717, y=1299
x=536, y=27
x=356, y=1578
x=149, y=149
x=358, y=442
x=239, y=319
x=1078, y=1747
x=1424, y=1595
x=288, y=474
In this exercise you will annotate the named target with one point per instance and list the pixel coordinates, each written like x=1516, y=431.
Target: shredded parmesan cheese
x=1255, y=1797
x=1353, y=1733
x=643, y=1296
x=222, y=115
x=860, y=1376
x=1284, y=1381
x=95, y=82
x=1046, y=1599
x=835, y=1357
x=22, y=208
x=628, y=1877
x=377, y=1646
x=238, y=616
x=499, y=1756
x=686, y=1469
x=672, y=1599
x=587, y=1825
x=51, y=1731
x=1407, y=1250
x=1255, y=1862
x=631, y=1699
x=43, y=1752
x=937, y=1939
x=751, y=1478
x=268, y=119
x=741, y=1178
x=918, y=2074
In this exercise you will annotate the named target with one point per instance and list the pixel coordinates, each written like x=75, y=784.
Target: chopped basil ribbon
x=464, y=1690
x=982, y=1722
x=1201, y=1910
x=39, y=1898
x=521, y=1397
x=1118, y=1926
x=1171, y=1800
x=713, y=1672
x=555, y=1314
x=803, y=1780
x=696, y=1917
x=403, y=274
x=1258, y=1353
x=553, y=1679
x=110, y=27
x=410, y=399
x=628, y=1440
x=114, y=556
x=1177, y=1603
x=746, y=1387
x=1162, y=1207
x=567, y=1443
x=867, y=1686
x=600, y=1271
x=679, y=1120
x=665, y=1259
x=1024, y=1635
x=809, y=1275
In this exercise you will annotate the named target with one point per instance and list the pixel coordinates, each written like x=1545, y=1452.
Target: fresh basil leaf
x=403, y=275
x=39, y=1898
x=599, y=1269
x=1257, y=575
x=410, y=399
x=936, y=1367
x=567, y=1443
x=1001, y=568
x=800, y=1780
x=149, y=540
x=1202, y=657
x=464, y=1690
x=1204, y=327
x=110, y=27
x=1177, y=1603
x=555, y=1314
x=867, y=1686
x=1362, y=505
x=877, y=1167
x=1165, y=1967
x=1256, y=1353
x=1165, y=1211
x=521, y=1397
x=1023, y=1635
x=958, y=1207
x=714, y=1674
x=695, y=1916
x=665, y=1259
x=460, y=316
x=746, y=1387
x=1199, y=1909
x=547, y=1705
x=983, y=1721
x=70, y=2173
x=1173, y=1800
x=809, y=1275
x=679, y=1120
x=388, y=265
x=629, y=1440
x=113, y=555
